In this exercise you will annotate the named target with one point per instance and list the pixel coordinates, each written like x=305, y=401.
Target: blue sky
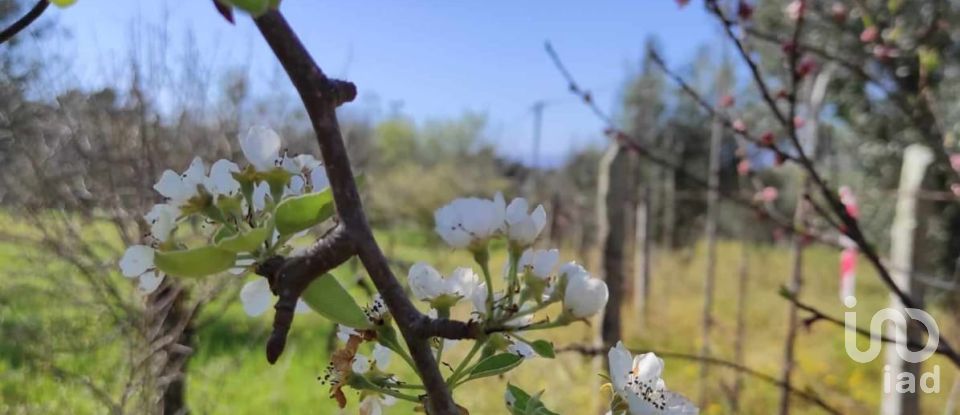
x=438, y=58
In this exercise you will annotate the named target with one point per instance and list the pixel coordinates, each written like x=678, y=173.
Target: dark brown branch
x=805, y=395
x=24, y=21
x=320, y=97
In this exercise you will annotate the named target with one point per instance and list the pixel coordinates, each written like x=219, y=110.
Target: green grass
x=228, y=373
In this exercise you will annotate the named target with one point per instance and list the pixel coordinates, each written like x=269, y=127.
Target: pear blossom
x=299, y=164
x=179, y=188
x=379, y=359
x=467, y=222
x=637, y=381
x=261, y=147
x=221, y=180
x=539, y=262
x=257, y=298
x=584, y=295
x=162, y=219
x=524, y=227
x=376, y=404
x=260, y=194
x=137, y=262
x=428, y=285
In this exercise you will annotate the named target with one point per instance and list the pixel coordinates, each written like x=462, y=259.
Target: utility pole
x=538, y=107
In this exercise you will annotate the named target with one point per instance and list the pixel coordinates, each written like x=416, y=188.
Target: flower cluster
x=248, y=214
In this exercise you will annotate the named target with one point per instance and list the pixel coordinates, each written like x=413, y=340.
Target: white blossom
x=179, y=188
x=539, y=262
x=524, y=227
x=637, y=380
x=584, y=295
x=221, y=180
x=257, y=298
x=379, y=359
x=469, y=221
x=162, y=219
x=137, y=262
x=260, y=194
x=261, y=147
x=376, y=404
x=428, y=285
x=318, y=179
x=300, y=164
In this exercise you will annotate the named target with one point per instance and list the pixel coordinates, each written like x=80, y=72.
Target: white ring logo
x=876, y=331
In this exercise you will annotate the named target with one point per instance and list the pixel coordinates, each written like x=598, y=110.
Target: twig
x=24, y=21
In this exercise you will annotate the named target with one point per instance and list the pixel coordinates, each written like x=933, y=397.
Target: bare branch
x=24, y=21
x=321, y=96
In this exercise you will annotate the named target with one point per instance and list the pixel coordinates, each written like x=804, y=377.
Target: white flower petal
x=381, y=356
x=360, y=364
x=194, y=175
x=170, y=186
x=318, y=179
x=260, y=194
x=150, y=281
x=136, y=260
x=221, y=181
x=585, y=297
x=261, y=147
x=162, y=219
x=621, y=362
x=256, y=297
x=425, y=281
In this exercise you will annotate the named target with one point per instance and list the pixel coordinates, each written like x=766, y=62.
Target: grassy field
x=229, y=375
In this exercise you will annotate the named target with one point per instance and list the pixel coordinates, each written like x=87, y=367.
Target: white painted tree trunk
x=916, y=159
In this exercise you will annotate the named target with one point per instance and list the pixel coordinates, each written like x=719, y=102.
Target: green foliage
x=495, y=365
x=244, y=242
x=196, y=262
x=299, y=213
x=327, y=297
x=520, y=402
x=63, y=3
x=543, y=348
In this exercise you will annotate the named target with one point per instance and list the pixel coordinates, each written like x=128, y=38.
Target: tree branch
x=24, y=21
x=320, y=97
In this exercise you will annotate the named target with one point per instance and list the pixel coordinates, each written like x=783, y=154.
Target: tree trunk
x=741, y=330
x=642, y=250
x=794, y=285
x=615, y=188
x=713, y=197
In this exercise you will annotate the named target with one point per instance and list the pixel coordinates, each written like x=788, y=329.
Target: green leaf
x=543, y=348
x=524, y=403
x=297, y=213
x=327, y=297
x=63, y=3
x=495, y=365
x=246, y=242
x=223, y=233
x=197, y=262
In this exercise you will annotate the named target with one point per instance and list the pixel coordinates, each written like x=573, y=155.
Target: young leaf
x=197, y=262
x=495, y=365
x=520, y=402
x=327, y=297
x=303, y=212
x=254, y=7
x=245, y=242
x=543, y=348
